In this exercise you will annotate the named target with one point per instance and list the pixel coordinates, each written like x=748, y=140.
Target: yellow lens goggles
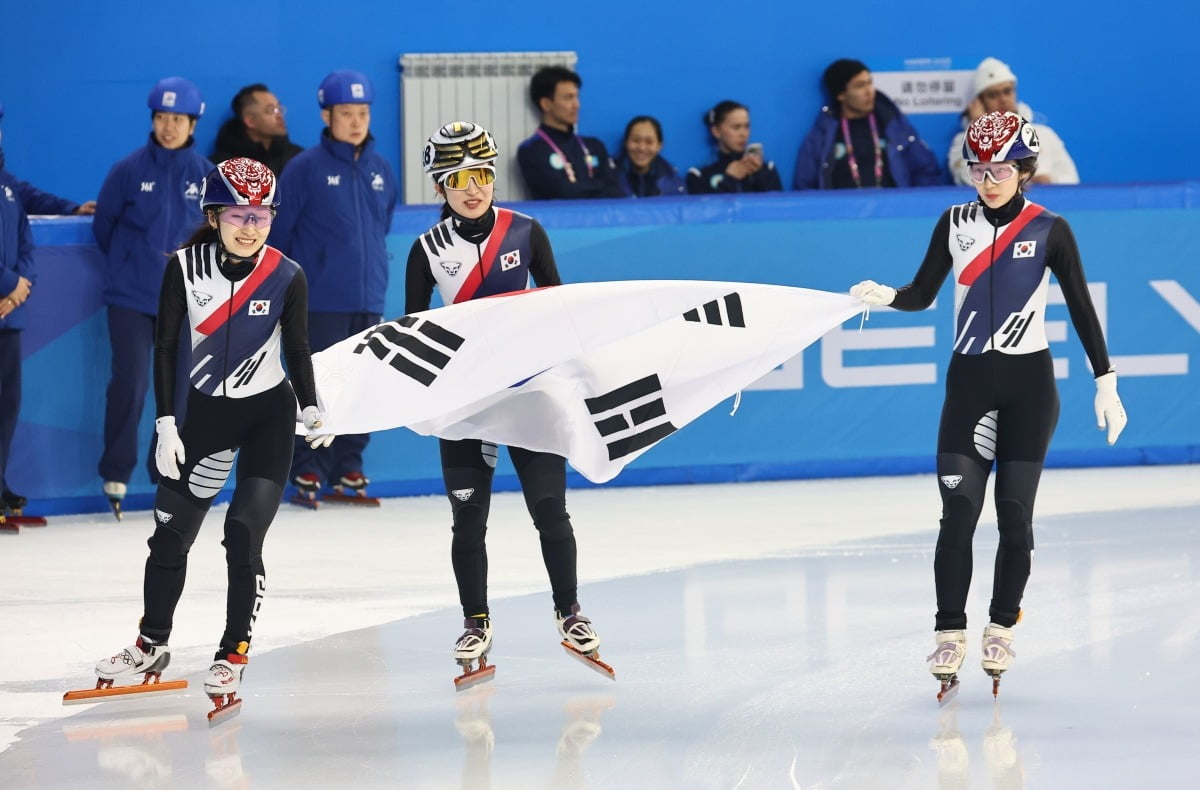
x=459, y=179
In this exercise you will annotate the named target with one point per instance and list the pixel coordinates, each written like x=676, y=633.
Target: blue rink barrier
x=856, y=403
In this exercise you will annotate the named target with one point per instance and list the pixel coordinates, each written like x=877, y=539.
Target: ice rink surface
x=766, y=635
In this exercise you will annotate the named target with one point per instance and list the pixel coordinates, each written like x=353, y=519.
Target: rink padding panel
x=854, y=404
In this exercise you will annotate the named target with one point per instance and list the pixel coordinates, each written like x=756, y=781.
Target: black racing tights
x=259, y=429
x=468, y=466
x=999, y=408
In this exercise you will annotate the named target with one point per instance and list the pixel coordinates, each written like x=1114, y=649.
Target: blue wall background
x=1139, y=243
x=76, y=74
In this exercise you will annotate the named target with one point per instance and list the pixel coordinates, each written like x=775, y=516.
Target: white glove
x=313, y=417
x=1109, y=411
x=168, y=455
x=873, y=293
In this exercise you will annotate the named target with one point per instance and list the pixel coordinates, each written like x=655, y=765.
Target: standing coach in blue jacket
x=339, y=197
x=862, y=139
x=148, y=205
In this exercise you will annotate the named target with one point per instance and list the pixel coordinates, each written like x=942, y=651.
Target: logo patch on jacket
x=510, y=260
x=1024, y=249
x=201, y=297
x=260, y=306
x=450, y=267
x=964, y=241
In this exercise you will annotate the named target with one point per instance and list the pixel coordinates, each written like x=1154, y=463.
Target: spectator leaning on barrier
x=740, y=166
x=16, y=281
x=642, y=171
x=34, y=200
x=148, y=204
x=257, y=130
x=557, y=162
x=995, y=88
x=341, y=195
x=862, y=139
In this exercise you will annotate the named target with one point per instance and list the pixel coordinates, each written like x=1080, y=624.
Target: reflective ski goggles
x=999, y=171
x=460, y=179
x=241, y=216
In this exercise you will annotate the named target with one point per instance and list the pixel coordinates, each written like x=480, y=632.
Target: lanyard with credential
x=853, y=162
x=587, y=155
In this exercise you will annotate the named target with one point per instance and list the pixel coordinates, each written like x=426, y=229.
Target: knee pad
x=1015, y=524
x=255, y=502
x=177, y=521
x=551, y=519
x=470, y=527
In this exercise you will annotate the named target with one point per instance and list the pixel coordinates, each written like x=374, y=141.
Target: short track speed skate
x=945, y=662
x=143, y=658
x=307, y=486
x=114, y=491
x=221, y=686
x=581, y=641
x=997, y=653
x=470, y=651
x=351, y=489
x=14, y=512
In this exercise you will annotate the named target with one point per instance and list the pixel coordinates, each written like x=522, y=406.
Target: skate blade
x=102, y=694
x=312, y=503
x=948, y=693
x=26, y=521
x=224, y=710
x=351, y=499
x=592, y=661
x=474, y=677
x=115, y=504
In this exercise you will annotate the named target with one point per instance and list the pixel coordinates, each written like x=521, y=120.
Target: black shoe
x=13, y=501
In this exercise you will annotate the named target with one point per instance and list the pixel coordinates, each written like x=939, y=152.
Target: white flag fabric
x=595, y=372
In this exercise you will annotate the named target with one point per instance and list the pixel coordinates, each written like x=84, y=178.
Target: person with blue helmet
x=342, y=193
x=147, y=205
x=1001, y=403
x=16, y=284
x=36, y=201
x=243, y=305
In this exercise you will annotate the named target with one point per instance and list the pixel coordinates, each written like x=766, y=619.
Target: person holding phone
x=861, y=139
x=1001, y=402
x=739, y=167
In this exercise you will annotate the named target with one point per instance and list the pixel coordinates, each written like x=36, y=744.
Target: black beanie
x=839, y=73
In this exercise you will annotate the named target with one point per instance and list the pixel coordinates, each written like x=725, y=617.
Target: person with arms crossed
x=1001, y=403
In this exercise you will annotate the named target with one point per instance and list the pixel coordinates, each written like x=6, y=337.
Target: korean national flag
x=260, y=306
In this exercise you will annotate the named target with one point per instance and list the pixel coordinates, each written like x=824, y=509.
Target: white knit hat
x=992, y=72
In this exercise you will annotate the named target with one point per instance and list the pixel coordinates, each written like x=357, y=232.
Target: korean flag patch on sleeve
x=260, y=306
x=510, y=260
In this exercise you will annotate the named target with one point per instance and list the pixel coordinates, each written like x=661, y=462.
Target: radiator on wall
x=490, y=88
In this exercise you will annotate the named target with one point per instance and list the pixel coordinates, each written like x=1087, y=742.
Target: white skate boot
x=470, y=651
x=945, y=661
x=143, y=657
x=576, y=631
x=581, y=640
x=997, y=653
x=223, y=681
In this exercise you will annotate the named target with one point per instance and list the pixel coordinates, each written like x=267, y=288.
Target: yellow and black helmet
x=457, y=146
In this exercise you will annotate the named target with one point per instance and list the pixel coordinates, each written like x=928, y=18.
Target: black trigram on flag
x=404, y=350
x=712, y=312
x=639, y=418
